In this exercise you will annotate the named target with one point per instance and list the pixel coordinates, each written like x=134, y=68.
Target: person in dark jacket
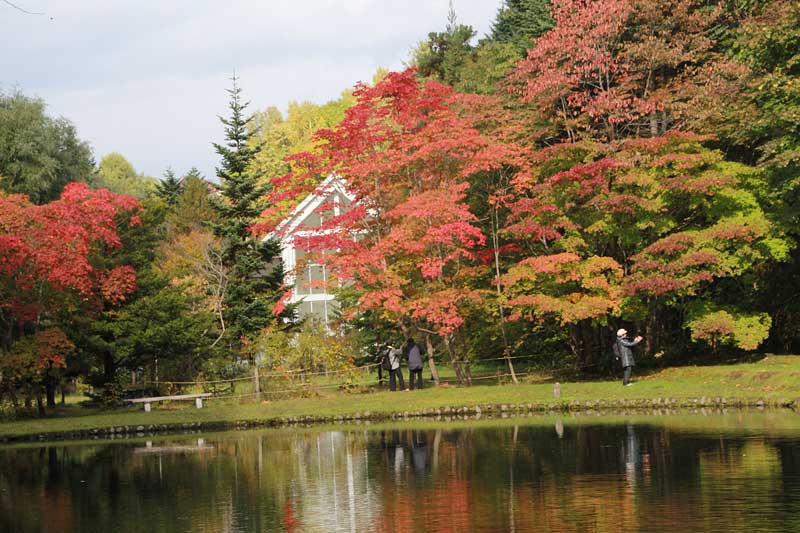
x=626, y=354
x=414, y=357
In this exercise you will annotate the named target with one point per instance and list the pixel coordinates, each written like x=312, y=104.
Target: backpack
x=386, y=364
x=617, y=353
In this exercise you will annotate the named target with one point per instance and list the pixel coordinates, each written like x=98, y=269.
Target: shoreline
x=634, y=406
x=769, y=383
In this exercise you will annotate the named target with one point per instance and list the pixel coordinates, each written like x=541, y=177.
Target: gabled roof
x=332, y=184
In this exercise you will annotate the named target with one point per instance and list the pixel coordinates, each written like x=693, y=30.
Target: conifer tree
x=254, y=282
x=193, y=173
x=169, y=188
x=444, y=54
x=193, y=209
x=519, y=21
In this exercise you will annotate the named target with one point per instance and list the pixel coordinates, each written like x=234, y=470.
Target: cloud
x=148, y=79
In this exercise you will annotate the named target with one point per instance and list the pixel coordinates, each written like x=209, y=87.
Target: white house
x=330, y=198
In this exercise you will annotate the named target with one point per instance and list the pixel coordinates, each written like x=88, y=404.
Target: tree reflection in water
x=518, y=475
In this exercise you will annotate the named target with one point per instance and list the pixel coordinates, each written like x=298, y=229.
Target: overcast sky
x=147, y=78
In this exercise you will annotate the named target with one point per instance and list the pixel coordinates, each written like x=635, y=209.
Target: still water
x=719, y=472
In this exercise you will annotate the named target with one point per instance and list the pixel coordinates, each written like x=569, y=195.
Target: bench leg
x=198, y=402
x=147, y=408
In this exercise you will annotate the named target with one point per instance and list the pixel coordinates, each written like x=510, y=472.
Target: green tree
x=169, y=188
x=159, y=330
x=762, y=121
x=309, y=349
x=116, y=174
x=39, y=154
x=254, y=281
x=519, y=21
x=642, y=232
x=450, y=57
x=717, y=326
x=193, y=209
x=160, y=321
x=162, y=327
x=280, y=136
x=751, y=110
x=486, y=68
x=91, y=329
x=444, y=54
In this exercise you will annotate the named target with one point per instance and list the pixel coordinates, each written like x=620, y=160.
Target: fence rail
x=308, y=387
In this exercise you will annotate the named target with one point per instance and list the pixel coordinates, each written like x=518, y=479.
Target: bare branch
x=21, y=9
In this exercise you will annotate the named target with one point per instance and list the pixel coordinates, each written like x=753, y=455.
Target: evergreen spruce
x=193, y=173
x=169, y=188
x=444, y=54
x=254, y=285
x=519, y=21
x=193, y=209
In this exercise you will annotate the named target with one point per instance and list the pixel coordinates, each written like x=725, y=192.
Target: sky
x=147, y=79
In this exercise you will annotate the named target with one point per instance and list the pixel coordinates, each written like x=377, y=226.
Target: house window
x=301, y=281
x=313, y=220
x=305, y=309
x=316, y=273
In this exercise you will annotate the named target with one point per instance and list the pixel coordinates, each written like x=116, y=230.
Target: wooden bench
x=198, y=399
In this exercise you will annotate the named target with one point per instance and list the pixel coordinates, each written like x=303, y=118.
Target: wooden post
x=256, y=381
x=147, y=407
x=198, y=402
x=557, y=391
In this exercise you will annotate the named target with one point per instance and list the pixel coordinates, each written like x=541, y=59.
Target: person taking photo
x=625, y=354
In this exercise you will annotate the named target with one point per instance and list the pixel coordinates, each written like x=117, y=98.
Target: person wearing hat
x=626, y=354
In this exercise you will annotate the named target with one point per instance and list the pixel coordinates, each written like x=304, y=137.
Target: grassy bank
x=774, y=379
x=776, y=423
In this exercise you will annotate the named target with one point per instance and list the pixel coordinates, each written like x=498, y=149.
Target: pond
x=738, y=471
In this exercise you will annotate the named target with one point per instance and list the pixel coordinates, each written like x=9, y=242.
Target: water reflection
x=556, y=475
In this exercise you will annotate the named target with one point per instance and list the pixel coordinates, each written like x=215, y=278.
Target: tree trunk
x=7, y=336
x=650, y=333
x=507, y=355
x=108, y=368
x=13, y=394
x=431, y=363
x=455, y=362
x=40, y=404
x=500, y=308
x=592, y=346
x=584, y=344
x=50, y=391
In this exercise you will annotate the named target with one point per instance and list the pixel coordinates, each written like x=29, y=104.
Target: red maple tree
x=47, y=252
x=619, y=68
x=408, y=245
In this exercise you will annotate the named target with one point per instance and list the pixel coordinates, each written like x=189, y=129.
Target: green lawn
x=773, y=379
